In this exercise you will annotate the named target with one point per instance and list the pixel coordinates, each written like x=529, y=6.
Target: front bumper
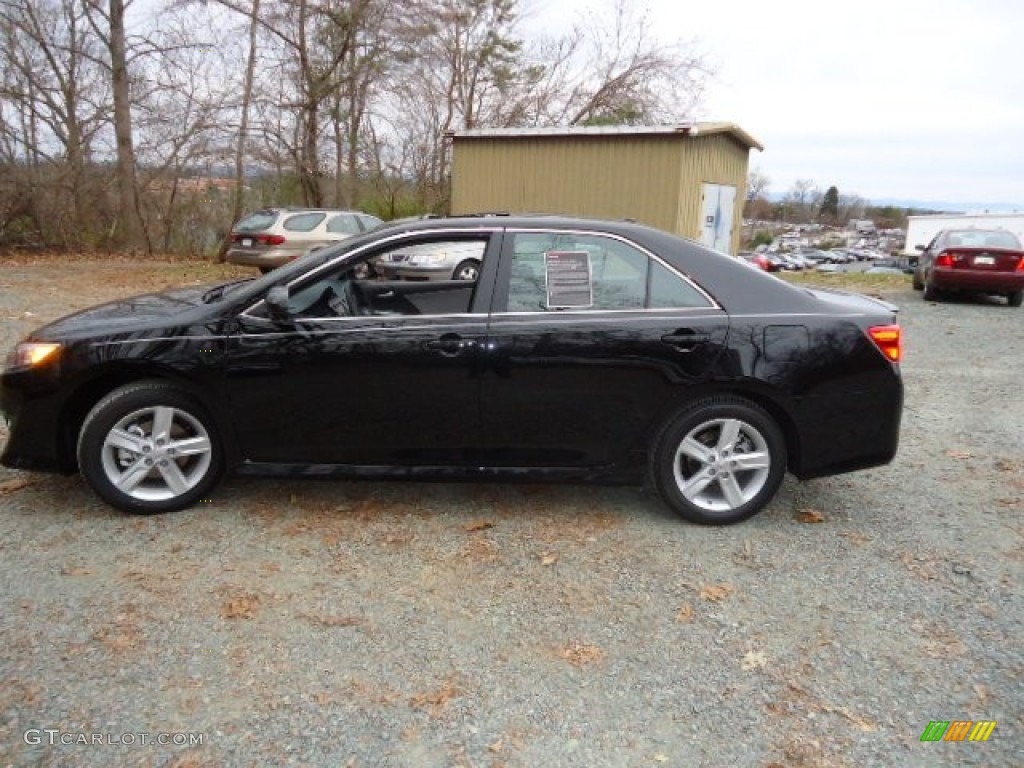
x=24, y=401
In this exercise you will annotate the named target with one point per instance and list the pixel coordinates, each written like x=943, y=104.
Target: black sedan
x=584, y=351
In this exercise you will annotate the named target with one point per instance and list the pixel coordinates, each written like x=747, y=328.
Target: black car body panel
x=479, y=392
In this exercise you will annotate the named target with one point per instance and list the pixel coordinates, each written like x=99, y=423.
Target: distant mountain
x=948, y=207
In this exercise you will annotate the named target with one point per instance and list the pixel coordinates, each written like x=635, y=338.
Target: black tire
x=170, y=468
x=757, y=435
x=1015, y=299
x=265, y=270
x=931, y=293
x=916, y=282
x=468, y=270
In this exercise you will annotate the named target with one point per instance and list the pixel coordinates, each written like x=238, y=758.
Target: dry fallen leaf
x=957, y=454
x=810, y=516
x=685, y=615
x=436, y=701
x=716, y=592
x=660, y=758
x=477, y=525
x=496, y=747
x=241, y=607
x=548, y=558
x=753, y=660
x=580, y=654
x=74, y=570
x=15, y=484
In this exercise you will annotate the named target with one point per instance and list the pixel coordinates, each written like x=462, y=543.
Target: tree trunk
x=243, y=132
x=132, y=232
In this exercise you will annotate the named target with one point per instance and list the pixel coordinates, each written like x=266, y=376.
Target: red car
x=761, y=261
x=982, y=260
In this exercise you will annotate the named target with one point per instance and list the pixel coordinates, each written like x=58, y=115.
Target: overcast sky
x=910, y=99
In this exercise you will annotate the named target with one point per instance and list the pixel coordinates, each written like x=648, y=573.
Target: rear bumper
x=856, y=431
x=248, y=257
x=976, y=280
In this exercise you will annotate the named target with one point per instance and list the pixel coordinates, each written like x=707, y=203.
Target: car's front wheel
x=148, y=447
x=917, y=282
x=468, y=270
x=719, y=461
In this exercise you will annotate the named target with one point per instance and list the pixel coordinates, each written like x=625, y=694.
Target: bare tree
x=52, y=76
x=615, y=70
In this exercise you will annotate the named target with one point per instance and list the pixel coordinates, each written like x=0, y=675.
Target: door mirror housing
x=919, y=247
x=277, y=302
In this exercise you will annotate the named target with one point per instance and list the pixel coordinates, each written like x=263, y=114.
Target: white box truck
x=921, y=229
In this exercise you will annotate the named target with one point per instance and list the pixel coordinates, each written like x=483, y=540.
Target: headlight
x=429, y=260
x=29, y=354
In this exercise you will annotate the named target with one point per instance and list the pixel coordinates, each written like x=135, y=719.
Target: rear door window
x=344, y=224
x=303, y=222
x=552, y=272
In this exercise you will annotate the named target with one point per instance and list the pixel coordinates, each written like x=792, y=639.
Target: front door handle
x=451, y=344
x=685, y=339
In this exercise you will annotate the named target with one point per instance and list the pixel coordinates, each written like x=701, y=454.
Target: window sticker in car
x=569, y=280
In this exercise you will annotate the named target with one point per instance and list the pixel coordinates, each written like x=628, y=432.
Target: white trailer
x=921, y=229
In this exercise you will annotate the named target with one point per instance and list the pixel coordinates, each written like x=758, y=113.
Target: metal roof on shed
x=683, y=129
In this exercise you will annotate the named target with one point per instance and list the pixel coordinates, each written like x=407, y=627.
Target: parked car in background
x=456, y=260
x=586, y=350
x=985, y=261
x=797, y=261
x=271, y=237
x=814, y=257
x=766, y=262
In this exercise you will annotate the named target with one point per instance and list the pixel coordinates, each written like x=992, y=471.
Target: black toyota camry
x=584, y=351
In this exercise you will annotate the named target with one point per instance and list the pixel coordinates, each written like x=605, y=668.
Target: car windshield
x=977, y=238
x=256, y=222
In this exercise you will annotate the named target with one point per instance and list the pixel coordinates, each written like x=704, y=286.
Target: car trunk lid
x=981, y=257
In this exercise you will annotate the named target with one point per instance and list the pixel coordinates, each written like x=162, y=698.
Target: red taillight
x=944, y=260
x=889, y=339
x=1020, y=264
x=271, y=239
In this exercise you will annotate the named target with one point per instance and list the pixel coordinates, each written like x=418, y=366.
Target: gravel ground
x=362, y=624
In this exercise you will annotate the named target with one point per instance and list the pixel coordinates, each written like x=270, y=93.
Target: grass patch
x=851, y=281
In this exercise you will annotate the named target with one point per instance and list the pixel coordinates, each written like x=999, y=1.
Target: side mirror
x=277, y=302
x=920, y=247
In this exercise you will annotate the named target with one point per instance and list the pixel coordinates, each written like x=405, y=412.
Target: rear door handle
x=451, y=344
x=685, y=339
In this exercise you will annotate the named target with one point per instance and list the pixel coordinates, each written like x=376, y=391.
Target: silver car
x=452, y=260
x=274, y=236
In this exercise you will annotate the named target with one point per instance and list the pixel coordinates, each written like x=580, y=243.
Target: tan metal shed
x=687, y=179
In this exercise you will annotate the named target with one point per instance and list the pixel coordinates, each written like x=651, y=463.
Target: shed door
x=718, y=203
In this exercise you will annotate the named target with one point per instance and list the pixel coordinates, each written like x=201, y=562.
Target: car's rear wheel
x=719, y=461
x=1015, y=299
x=149, y=447
x=468, y=270
x=931, y=293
